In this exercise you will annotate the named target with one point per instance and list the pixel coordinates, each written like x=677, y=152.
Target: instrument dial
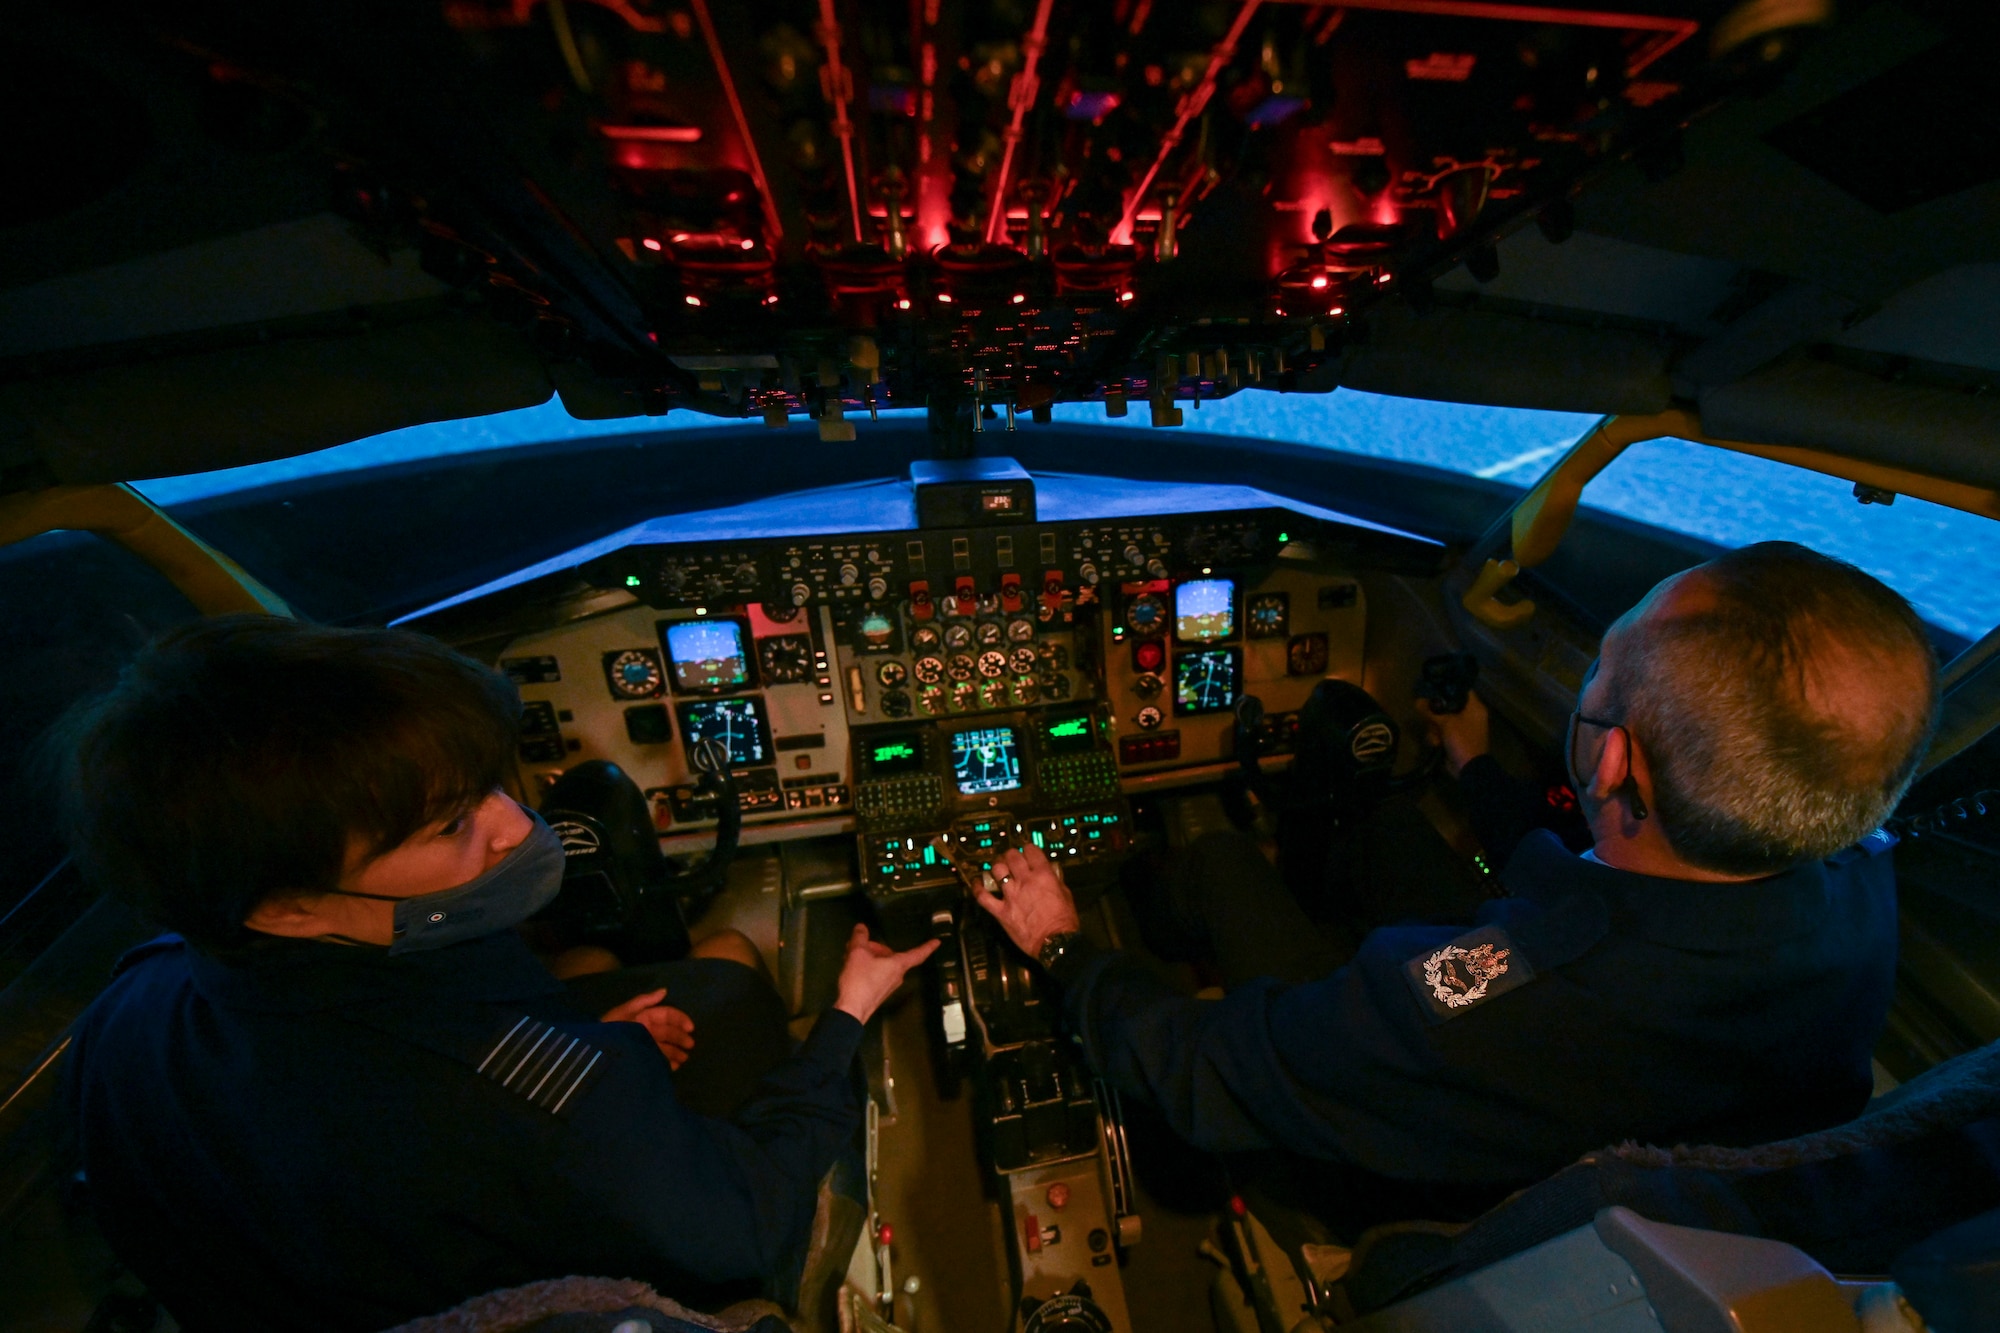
x=989, y=602
x=930, y=670
x=1306, y=655
x=1026, y=690
x=1054, y=656
x=1146, y=615
x=925, y=639
x=931, y=699
x=992, y=663
x=964, y=695
x=960, y=667
x=786, y=659
x=990, y=633
x=1146, y=686
x=1056, y=685
x=1268, y=614
x=958, y=637
x=1020, y=630
x=891, y=674
x=634, y=674
x=993, y=694
x=1147, y=718
x=779, y=613
x=895, y=703
x=1022, y=660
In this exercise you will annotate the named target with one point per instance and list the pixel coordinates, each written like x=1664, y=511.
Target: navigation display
x=708, y=655
x=737, y=723
x=1207, y=681
x=1205, y=610
x=986, y=760
x=1069, y=734
x=887, y=756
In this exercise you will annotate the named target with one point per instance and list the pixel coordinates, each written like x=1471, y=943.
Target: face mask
x=525, y=881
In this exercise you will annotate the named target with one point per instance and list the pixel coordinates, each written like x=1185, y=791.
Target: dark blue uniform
x=322, y=1137
x=1590, y=1007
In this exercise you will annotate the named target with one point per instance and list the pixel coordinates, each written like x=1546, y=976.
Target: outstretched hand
x=1465, y=735
x=671, y=1030
x=873, y=971
x=1025, y=893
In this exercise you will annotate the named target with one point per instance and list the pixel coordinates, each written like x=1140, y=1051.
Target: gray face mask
x=526, y=880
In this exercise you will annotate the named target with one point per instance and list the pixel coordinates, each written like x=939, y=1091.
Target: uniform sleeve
x=683, y=1196
x=1501, y=808
x=1344, y=1068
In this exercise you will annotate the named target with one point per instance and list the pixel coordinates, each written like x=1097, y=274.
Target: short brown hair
x=1747, y=778
x=238, y=756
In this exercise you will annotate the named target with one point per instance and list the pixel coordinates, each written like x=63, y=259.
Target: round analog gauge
x=1026, y=691
x=990, y=633
x=634, y=674
x=993, y=694
x=1306, y=655
x=960, y=667
x=895, y=703
x=1146, y=686
x=876, y=631
x=1146, y=614
x=931, y=699
x=1054, y=656
x=1020, y=630
x=964, y=695
x=1022, y=660
x=1056, y=686
x=1267, y=614
x=992, y=663
x=780, y=613
x=930, y=670
x=1147, y=718
x=891, y=674
x=925, y=639
x=786, y=660
x=958, y=637
x=989, y=602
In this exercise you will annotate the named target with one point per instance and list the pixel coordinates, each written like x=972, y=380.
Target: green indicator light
x=1076, y=726
x=631, y=580
x=1284, y=536
x=1038, y=838
x=895, y=750
x=930, y=856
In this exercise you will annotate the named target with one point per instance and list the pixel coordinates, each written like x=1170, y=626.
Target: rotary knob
x=878, y=588
x=1087, y=572
x=801, y=594
x=1156, y=568
x=1146, y=686
x=849, y=575
x=1134, y=556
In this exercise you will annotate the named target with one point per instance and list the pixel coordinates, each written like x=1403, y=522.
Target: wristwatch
x=1054, y=947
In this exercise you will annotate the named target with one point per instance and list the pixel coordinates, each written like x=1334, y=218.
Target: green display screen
x=893, y=751
x=1066, y=735
x=886, y=756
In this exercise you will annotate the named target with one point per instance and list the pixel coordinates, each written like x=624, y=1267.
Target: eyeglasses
x=1631, y=785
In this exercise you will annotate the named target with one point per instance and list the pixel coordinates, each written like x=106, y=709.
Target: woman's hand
x=873, y=971
x=671, y=1030
x=1024, y=892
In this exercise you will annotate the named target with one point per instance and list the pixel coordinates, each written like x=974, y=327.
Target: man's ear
x=1614, y=765
x=292, y=915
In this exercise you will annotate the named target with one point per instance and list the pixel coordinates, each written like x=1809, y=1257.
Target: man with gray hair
x=1714, y=969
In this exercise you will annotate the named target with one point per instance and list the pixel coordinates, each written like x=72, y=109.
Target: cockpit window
x=1946, y=562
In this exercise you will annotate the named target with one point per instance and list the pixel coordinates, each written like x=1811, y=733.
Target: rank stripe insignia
x=541, y=1064
x=1467, y=972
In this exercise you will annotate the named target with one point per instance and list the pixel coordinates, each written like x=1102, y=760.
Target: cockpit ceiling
x=239, y=231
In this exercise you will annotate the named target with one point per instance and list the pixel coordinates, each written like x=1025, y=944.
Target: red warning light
x=1149, y=655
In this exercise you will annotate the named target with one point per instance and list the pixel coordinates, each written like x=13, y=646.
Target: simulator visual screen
x=1206, y=682
x=737, y=723
x=708, y=656
x=1205, y=610
x=986, y=760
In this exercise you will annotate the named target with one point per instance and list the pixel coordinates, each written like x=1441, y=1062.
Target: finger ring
x=1004, y=881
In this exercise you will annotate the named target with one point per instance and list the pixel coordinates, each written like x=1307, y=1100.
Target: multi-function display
x=1068, y=734
x=737, y=723
x=708, y=656
x=1205, y=610
x=987, y=760
x=1207, y=681
x=887, y=756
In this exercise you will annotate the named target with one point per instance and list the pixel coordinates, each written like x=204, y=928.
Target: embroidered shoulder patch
x=1467, y=972
x=541, y=1064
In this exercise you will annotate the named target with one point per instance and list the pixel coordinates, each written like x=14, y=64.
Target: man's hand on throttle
x=1464, y=735
x=873, y=971
x=1026, y=895
x=671, y=1030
